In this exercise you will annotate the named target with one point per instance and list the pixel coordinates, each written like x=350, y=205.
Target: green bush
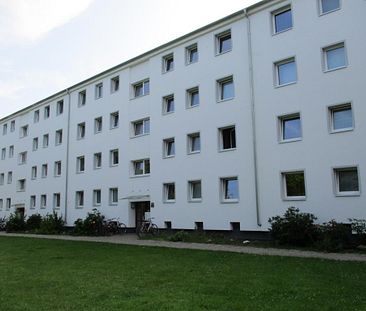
x=33, y=222
x=2, y=223
x=180, y=236
x=294, y=228
x=334, y=237
x=93, y=224
x=15, y=223
x=359, y=228
x=51, y=224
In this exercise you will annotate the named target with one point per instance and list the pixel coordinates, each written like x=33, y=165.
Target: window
x=286, y=72
x=192, y=54
x=193, y=98
x=60, y=107
x=290, y=127
x=1, y=204
x=334, y=57
x=10, y=177
x=36, y=116
x=21, y=185
x=114, y=84
x=56, y=200
x=294, y=185
x=81, y=130
x=114, y=157
x=98, y=125
x=58, y=137
x=80, y=164
x=97, y=160
x=99, y=91
x=35, y=144
x=168, y=104
x=5, y=129
x=346, y=181
x=12, y=126
x=44, y=170
x=141, y=167
x=341, y=118
x=46, y=112
x=23, y=157
x=194, y=191
x=327, y=6
x=82, y=98
x=8, y=204
x=79, y=199
x=169, y=192
x=33, y=202
x=3, y=153
x=43, y=200
x=2, y=179
x=141, y=88
x=97, y=197
x=141, y=127
x=11, y=151
x=227, y=138
x=169, y=147
x=46, y=140
x=168, y=63
x=282, y=19
x=58, y=168
x=24, y=131
x=114, y=120
x=223, y=42
x=34, y=172
x=225, y=88
x=194, y=143
x=113, y=196
x=229, y=189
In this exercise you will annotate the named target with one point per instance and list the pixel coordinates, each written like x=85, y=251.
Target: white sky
x=48, y=45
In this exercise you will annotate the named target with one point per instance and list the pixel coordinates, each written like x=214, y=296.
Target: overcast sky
x=48, y=45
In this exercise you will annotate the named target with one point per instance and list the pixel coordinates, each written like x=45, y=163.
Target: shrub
x=2, y=223
x=33, y=223
x=15, y=223
x=179, y=236
x=93, y=224
x=51, y=224
x=334, y=236
x=294, y=228
x=359, y=227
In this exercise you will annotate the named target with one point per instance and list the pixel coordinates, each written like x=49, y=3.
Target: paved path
x=131, y=239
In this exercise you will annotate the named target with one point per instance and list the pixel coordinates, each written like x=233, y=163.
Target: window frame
x=58, y=137
x=24, y=131
x=95, y=197
x=111, y=157
x=82, y=98
x=79, y=198
x=11, y=152
x=43, y=201
x=166, y=100
x=218, y=37
x=95, y=160
x=277, y=65
x=166, y=59
x=80, y=164
x=44, y=170
x=339, y=107
x=144, y=132
x=60, y=107
x=189, y=50
x=47, y=112
x=33, y=202
x=223, y=191
x=166, y=186
x=144, y=173
x=111, y=192
x=189, y=97
x=12, y=126
x=34, y=172
x=115, y=84
x=98, y=91
x=190, y=137
x=219, y=88
x=321, y=11
x=277, y=12
x=336, y=183
x=285, y=196
x=81, y=131
x=190, y=191
x=57, y=200
x=98, y=121
x=280, y=121
x=166, y=142
x=112, y=117
x=221, y=138
x=58, y=168
x=331, y=47
x=141, y=84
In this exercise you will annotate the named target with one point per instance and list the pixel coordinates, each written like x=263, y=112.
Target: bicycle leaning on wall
x=147, y=227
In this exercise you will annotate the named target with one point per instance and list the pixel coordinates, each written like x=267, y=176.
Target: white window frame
x=3, y=153
x=43, y=201
x=340, y=107
x=36, y=116
x=58, y=137
x=35, y=144
x=189, y=96
x=113, y=117
x=166, y=142
x=11, y=151
x=46, y=140
x=111, y=195
x=95, y=197
x=5, y=129
x=166, y=100
x=47, y=112
x=222, y=192
x=277, y=71
x=96, y=156
x=143, y=124
x=189, y=50
x=115, y=84
x=79, y=161
x=111, y=157
x=278, y=12
x=285, y=196
x=190, y=138
x=34, y=172
x=218, y=38
x=141, y=84
x=191, y=184
x=58, y=169
x=9, y=179
x=99, y=90
x=165, y=62
x=12, y=126
x=166, y=191
x=81, y=131
x=57, y=200
x=219, y=87
x=98, y=125
x=60, y=107
x=33, y=202
x=44, y=170
x=321, y=11
x=79, y=199
x=143, y=162
x=281, y=120
x=341, y=44
x=21, y=185
x=2, y=179
x=24, y=131
x=337, y=191
x=22, y=158
x=221, y=138
x=82, y=98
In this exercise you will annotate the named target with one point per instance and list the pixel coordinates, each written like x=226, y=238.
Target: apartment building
x=217, y=130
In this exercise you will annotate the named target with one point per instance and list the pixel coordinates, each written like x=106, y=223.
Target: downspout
x=252, y=104
x=67, y=153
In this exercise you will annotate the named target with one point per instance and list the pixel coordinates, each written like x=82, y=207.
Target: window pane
x=138, y=128
x=147, y=166
x=228, y=138
x=348, y=180
x=295, y=185
x=286, y=73
x=170, y=105
x=170, y=148
x=171, y=192
x=329, y=5
x=227, y=89
x=139, y=168
x=195, y=98
x=138, y=90
x=146, y=87
x=231, y=189
x=283, y=20
x=336, y=58
x=225, y=43
x=195, y=143
x=196, y=190
x=342, y=119
x=147, y=126
x=193, y=55
x=291, y=128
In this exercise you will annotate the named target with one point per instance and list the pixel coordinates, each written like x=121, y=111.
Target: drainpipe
x=252, y=102
x=67, y=153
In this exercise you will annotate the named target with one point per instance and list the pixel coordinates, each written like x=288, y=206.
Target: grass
x=63, y=275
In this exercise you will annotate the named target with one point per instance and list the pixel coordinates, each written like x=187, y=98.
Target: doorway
x=140, y=209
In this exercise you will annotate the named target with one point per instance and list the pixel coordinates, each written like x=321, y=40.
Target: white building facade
x=220, y=129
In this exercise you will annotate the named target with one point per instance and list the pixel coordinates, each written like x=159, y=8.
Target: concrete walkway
x=132, y=239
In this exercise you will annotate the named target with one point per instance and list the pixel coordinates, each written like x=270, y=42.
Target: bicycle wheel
x=141, y=231
x=154, y=229
x=122, y=228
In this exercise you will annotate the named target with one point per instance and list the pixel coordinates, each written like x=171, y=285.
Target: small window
x=99, y=91
x=223, y=42
x=60, y=107
x=113, y=196
x=81, y=130
x=5, y=129
x=194, y=191
x=44, y=170
x=327, y=6
x=24, y=131
x=97, y=197
x=225, y=88
x=11, y=151
x=46, y=140
x=8, y=204
x=36, y=116
x=334, y=57
x=282, y=19
x=114, y=84
x=21, y=185
x=168, y=63
x=341, y=118
x=79, y=199
x=47, y=112
x=3, y=153
x=141, y=127
x=286, y=72
x=12, y=126
x=168, y=225
x=58, y=168
x=58, y=137
x=56, y=200
x=34, y=172
x=98, y=125
x=97, y=160
x=141, y=88
x=227, y=138
x=141, y=167
x=114, y=157
x=33, y=202
x=192, y=54
x=235, y=226
x=10, y=177
x=82, y=98
x=198, y=226
x=169, y=147
x=2, y=179
x=229, y=189
x=43, y=200
x=80, y=164
x=114, y=120
x=290, y=127
x=346, y=181
x=169, y=192
x=23, y=157
x=193, y=97
x=168, y=104
x=194, y=143
x=294, y=185
x=35, y=144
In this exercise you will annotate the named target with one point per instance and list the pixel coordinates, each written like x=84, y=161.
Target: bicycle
x=114, y=226
x=146, y=227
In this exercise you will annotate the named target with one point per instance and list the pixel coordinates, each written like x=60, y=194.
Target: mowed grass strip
x=54, y=275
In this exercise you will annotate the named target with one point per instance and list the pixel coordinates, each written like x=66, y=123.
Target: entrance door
x=20, y=211
x=140, y=209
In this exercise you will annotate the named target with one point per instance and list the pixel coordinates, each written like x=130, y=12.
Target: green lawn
x=63, y=275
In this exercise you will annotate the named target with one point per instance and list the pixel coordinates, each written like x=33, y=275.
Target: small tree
x=52, y=224
x=34, y=222
x=15, y=223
